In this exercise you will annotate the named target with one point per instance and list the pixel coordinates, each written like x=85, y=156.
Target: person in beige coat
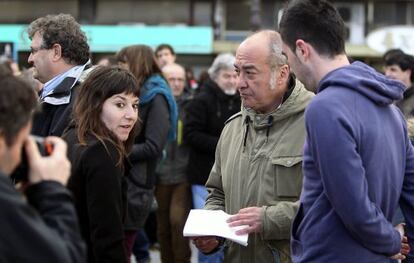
x=257, y=175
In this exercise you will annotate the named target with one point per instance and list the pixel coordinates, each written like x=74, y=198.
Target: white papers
x=212, y=223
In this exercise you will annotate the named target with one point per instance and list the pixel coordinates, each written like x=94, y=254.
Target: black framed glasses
x=34, y=50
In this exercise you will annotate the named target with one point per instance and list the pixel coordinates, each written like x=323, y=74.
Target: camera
x=22, y=170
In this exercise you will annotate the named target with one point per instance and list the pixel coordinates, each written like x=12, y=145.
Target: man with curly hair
x=59, y=53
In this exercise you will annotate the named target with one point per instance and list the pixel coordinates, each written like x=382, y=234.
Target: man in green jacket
x=257, y=175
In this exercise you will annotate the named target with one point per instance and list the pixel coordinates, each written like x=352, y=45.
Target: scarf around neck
x=153, y=86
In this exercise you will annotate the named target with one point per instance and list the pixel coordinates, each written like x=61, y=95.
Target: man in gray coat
x=257, y=176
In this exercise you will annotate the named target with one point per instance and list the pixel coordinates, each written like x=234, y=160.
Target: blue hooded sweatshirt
x=358, y=166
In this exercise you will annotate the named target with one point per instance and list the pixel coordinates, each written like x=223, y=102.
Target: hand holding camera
x=55, y=167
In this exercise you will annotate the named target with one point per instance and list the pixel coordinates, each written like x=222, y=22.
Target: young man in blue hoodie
x=358, y=162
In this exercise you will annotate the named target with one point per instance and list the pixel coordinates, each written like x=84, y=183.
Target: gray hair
x=276, y=56
x=222, y=61
x=62, y=29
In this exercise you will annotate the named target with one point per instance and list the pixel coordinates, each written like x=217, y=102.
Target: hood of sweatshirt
x=365, y=80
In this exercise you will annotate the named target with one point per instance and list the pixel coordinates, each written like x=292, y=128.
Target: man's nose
x=240, y=83
x=30, y=59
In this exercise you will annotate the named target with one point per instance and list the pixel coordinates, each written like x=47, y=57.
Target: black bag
x=140, y=196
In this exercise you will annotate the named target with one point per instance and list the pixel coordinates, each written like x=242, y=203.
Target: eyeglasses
x=34, y=50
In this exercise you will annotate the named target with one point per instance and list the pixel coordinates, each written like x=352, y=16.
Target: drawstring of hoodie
x=268, y=125
x=247, y=122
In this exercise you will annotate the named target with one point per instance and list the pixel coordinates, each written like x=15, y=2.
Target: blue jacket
x=358, y=165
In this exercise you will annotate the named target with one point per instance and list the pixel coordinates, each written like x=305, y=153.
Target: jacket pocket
x=288, y=177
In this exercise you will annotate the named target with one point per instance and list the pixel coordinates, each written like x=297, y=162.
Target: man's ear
x=408, y=72
x=57, y=52
x=2, y=144
x=283, y=74
x=302, y=50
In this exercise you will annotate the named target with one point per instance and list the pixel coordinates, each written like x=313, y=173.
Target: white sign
x=392, y=37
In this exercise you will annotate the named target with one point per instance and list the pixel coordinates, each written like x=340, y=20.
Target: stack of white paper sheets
x=212, y=223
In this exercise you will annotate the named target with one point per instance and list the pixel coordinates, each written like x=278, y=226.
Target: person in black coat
x=105, y=122
x=58, y=36
x=38, y=222
x=158, y=115
x=217, y=101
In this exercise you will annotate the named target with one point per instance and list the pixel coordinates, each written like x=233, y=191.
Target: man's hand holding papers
x=206, y=225
x=250, y=217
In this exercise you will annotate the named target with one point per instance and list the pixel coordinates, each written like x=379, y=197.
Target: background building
x=184, y=24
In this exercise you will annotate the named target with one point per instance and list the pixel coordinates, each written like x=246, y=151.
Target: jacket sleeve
x=155, y=133
x=196, y=127
x=277, y=220
x=407, y=198
x=343, y=167
x=47, y=230
x=104, y=203
x=215, y=199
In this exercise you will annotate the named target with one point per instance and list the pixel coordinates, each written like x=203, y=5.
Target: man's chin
x=247, y=105
x=36, y=77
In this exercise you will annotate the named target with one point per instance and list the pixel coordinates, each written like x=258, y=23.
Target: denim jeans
x=141, y=247
x=199, y=199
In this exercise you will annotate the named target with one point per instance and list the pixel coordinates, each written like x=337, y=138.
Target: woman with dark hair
x=158, y=113
x=99, y=139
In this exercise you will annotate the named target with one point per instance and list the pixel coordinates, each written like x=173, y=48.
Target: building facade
x=230, y=20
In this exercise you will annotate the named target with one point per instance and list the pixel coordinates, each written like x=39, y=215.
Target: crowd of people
x=310, y=154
